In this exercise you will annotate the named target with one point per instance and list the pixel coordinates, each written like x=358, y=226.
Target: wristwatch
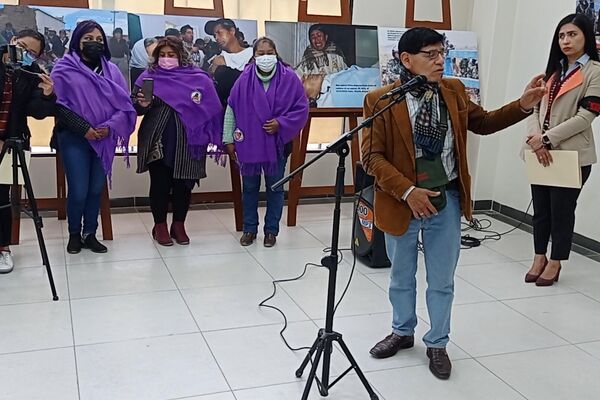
x=546, y=141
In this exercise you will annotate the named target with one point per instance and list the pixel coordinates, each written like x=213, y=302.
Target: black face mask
x=93, y=51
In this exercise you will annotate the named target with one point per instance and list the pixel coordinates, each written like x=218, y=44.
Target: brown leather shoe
x=270, y=240
x=391, y=345
x=247, y=238
x=160, y=233
x=178, y=233
x=439, y=363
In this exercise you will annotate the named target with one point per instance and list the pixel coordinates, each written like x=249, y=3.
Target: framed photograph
x=338, y=64
x=462, y=60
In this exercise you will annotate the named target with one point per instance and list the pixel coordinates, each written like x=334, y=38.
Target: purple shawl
x=101, y=99
x=192, y=94
x=285, y=101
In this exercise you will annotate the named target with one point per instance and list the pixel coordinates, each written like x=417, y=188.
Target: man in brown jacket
x=418, y=155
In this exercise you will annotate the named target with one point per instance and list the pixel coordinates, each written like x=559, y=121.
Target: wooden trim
x=336, y=112
x=296, y=190
x=56, y=3
x=323, y=190
x=215, y=12
x=445, y=24
x=345, y=18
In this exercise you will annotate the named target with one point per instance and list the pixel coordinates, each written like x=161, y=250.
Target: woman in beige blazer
x=563, y=121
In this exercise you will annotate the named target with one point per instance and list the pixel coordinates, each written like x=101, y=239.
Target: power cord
x=265, y=304
x=468, y=242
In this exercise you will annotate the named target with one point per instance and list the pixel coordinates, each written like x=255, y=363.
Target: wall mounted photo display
x=591, y=8
x=57, y=25
x=220, y=46
x=338, y=64
x=462, y=61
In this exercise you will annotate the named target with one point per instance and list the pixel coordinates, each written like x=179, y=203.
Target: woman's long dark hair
x=176, y=44
x=556, y=55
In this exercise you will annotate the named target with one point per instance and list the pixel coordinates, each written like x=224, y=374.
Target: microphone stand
x=323, y=345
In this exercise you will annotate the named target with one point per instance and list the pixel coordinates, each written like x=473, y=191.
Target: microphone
x=407, y=87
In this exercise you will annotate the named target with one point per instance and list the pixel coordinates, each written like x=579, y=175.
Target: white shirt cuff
x=408, y=192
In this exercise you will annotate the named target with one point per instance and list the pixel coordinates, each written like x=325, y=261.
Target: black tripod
x=16, y=148
x=323, y=345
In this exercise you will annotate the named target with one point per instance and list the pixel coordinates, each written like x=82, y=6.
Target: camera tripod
x=15, y=147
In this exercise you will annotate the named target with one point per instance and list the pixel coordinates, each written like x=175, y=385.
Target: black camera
x=211, y=50
x=15, y=54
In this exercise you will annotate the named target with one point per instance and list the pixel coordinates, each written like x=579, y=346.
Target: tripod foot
x=374, y=397
x=323, y=391
x=299, y=373
x=54, y=298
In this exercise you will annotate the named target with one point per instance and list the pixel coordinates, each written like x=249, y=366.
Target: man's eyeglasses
x=434, y=54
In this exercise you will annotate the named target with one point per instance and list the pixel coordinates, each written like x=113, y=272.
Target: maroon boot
x=160, y=233
x=178, y=233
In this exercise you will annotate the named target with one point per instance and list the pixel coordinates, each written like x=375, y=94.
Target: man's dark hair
x=118, y=30
x=415, y=39
x=173, y=32
x=184, y=29
x=555, y=60
x=34, y=35
x=317, y=27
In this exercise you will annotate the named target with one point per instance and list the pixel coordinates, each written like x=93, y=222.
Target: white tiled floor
x=146, y=322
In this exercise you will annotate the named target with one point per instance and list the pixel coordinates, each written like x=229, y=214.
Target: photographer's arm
x=41, y=106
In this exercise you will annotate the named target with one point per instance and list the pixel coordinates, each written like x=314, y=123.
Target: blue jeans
x=275, y=201
x=441, y=243
x=85, y=178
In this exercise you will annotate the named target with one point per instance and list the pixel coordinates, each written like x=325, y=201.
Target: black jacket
x=28, y=100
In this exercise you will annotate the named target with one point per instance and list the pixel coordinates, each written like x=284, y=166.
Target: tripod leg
x=354, y=364
x=308, y=357
x=327, y=350
x=37, y=220
x=313, y=370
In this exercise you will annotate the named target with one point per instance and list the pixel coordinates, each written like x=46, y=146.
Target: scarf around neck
x=284, y=100
x=429, y=131
x=192, y=94
x=101, y=99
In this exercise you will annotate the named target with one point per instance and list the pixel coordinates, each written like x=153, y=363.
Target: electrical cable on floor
x=469, y=242
x=265, y=304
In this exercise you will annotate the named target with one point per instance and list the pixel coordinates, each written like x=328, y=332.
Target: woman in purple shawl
x=267, y=110
x=95, y=115
x=183, y=118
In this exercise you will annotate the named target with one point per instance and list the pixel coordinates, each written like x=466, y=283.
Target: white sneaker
x=6, y=262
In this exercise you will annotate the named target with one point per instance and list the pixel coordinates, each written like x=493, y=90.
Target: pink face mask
x=168, y=63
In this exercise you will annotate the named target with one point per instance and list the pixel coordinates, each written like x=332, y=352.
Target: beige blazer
x=570, y=125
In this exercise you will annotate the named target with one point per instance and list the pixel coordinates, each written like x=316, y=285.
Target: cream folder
x=6, y=175
x=564, y=171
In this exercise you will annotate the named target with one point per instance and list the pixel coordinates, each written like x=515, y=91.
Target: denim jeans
x=85, y=179
x=275, y=201
x=441, y=242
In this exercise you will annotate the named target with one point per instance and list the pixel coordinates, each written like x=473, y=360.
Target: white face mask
x=267, y=62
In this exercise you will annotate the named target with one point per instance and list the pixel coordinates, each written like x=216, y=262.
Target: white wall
x=515, y=39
